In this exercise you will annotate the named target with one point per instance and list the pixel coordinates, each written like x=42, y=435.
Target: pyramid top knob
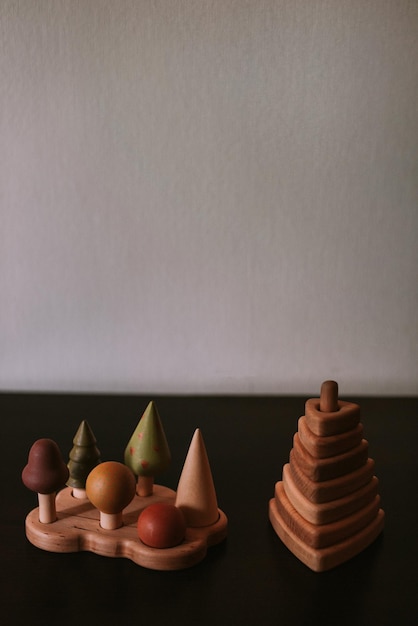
x=328, y=401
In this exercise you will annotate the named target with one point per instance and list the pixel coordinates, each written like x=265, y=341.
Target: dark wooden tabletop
x=251, y=578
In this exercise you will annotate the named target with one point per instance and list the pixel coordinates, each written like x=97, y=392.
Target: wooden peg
x=328, y=402
x=145, y=486
x=47, y=510
x=110, y=487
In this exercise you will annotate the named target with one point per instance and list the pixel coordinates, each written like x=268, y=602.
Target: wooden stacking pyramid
x=326, y=509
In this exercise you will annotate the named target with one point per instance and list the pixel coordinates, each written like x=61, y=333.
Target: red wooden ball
x=161, y=525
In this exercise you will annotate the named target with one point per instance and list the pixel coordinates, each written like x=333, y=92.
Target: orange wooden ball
x=161, y=525
x=110, y=487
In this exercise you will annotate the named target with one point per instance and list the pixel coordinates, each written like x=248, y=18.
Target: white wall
x=209, y=196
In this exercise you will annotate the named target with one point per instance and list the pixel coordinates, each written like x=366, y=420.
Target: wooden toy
x=196, y=495
x=147, y=452
x=153, y=531
x=84, y=456
x=161, y=525
x=326, y=509
x=45, y=473
x=110, y=487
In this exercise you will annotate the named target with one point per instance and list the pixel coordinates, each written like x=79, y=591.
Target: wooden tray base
x=78, y=529
x=322, y=559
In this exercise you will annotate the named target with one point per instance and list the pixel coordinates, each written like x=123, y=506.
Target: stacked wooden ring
x=327, y=509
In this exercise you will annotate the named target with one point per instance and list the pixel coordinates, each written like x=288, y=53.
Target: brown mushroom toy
x=110, y=487
x=45, y=473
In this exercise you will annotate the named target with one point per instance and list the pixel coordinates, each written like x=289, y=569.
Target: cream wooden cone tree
x=196, y=495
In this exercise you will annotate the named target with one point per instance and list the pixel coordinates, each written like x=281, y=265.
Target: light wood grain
x=323, y=559
x=323, y=535
x=332, y=445
x=78, y=529
x=79, y=493
x=327, y=512
x=47, y=510
x=329, y=467
x=196, y=495
x=327, y=490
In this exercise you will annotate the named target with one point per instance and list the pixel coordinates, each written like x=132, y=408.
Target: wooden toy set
x=326, y=509
x=115, y=509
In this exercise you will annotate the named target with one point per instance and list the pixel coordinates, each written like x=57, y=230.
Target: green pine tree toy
x=147, y=452
x=84, y=456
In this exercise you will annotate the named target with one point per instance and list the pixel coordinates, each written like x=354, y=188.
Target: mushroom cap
x=111, y=486
x=45, y=471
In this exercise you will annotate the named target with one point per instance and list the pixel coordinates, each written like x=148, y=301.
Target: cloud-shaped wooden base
x=78, y=529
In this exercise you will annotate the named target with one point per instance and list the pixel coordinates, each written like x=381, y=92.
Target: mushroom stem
x=80, y=494
x=47, y=510
x=111, y=521
x=145, y=486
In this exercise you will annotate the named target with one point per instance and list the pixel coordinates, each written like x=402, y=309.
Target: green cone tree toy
x=84, y=456
x=147, y=452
